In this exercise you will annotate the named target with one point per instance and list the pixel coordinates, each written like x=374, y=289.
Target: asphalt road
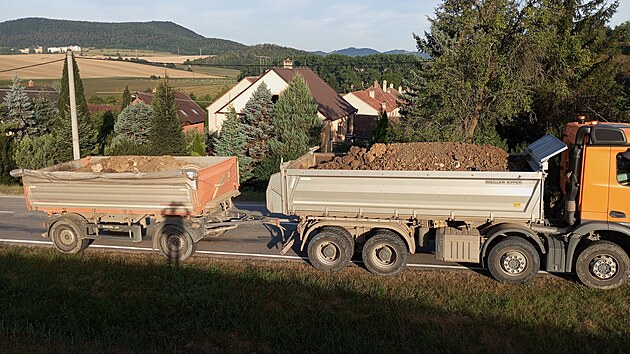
x=20, y=226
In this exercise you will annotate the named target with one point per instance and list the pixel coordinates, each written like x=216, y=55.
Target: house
x=102, y=107
x=191, y=115
x=336, y=113
x=215, y=119
x=370, y=103
x=32, y=91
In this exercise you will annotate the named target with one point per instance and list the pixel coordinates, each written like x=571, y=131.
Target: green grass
x=11, y=189
x=106, y=302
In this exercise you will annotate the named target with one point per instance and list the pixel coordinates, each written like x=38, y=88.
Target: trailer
x=176, y=207
x=495, y=219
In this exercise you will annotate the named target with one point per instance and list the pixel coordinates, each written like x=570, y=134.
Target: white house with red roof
x=370, y=103
x=336, y=113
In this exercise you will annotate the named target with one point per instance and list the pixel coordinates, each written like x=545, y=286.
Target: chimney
x=372, y=93
x=400, y=89
x=287, y=63
x=384, y=85
x=375, y=83
x=384, y=106
x=31, y=83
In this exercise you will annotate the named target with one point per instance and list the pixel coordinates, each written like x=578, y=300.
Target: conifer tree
x=126, y=98
x=88, y=135
x=45, y=113
x=381, y=132
x=296, y=124
x=257, y=121
x=233, y=142
x=166, y=135
x=132, y=129
x=19, y=119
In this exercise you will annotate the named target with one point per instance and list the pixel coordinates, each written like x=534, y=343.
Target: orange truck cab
x=595, y=181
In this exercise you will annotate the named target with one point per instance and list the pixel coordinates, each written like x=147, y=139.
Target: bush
x=35, y=152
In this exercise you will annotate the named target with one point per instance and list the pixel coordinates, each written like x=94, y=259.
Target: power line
x=31, y=66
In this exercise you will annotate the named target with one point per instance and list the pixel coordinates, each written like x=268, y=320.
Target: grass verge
x=105, y=302
x=11, y=189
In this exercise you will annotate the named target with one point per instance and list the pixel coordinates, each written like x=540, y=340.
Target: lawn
x=117, y=302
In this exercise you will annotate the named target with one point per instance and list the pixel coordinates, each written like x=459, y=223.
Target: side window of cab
x=623, y=168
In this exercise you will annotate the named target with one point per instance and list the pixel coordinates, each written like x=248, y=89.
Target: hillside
x=159, y=36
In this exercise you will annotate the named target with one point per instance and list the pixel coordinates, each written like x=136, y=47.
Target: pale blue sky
x=304, y=24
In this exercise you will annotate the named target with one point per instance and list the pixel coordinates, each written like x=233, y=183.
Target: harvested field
x=446, y=156
x=119, y=164
x=89, y=68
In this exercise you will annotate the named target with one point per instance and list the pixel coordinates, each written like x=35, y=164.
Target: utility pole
x=73, y=108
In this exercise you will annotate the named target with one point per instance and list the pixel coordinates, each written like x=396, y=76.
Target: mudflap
x=288, y=243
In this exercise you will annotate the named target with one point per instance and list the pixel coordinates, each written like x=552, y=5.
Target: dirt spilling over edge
x=119, y=164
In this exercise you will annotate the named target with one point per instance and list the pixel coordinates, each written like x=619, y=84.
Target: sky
x=303, y=24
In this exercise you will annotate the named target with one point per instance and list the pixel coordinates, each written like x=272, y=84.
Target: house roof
x=187, y=110
x=33, y=91
x=329, y=103
x=102, y=107
x=390, y=98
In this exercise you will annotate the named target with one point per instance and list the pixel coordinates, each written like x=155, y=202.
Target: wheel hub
x=385, y=254
x=604, y=266
x=175, y=242
x=66, y=237
x=514, y=262
x=328, y=253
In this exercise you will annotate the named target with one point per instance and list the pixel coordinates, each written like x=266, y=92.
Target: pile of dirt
x=118, y=164
x=446, y=156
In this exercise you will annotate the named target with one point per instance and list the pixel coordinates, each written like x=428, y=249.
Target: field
x=106, y=302
x=89, y=68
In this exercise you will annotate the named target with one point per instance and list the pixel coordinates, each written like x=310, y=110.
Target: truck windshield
x=623, y=169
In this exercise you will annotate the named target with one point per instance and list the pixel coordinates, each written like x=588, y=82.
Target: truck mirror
x=626, y=155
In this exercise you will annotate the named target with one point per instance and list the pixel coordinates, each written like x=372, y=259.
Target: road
x=20, y=226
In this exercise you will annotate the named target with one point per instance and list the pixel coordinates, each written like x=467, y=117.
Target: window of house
x=274, y=98
x=183, y=113
x=194, y=111
x=623, y=168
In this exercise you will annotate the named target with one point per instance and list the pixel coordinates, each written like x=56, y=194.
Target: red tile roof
x=390, y=98
x=102, y=107
x=33, y=91
x=187, y=109
x=329, y=103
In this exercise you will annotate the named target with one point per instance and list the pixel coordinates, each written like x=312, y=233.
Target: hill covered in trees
x=154, y=35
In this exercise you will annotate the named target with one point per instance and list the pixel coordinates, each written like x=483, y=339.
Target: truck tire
x=602, y=265
x=330, y=250
x=67, y=237
x=513, y=260
x=385, y=253
x=175, y=242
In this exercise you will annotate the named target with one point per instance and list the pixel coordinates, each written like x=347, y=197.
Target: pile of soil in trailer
x=445, y=156
x=118, y=164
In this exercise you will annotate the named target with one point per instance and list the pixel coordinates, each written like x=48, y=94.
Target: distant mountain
x=154, y=35
x=360, y=52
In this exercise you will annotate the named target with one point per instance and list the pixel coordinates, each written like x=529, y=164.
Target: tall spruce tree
x=126, y=98
x=296, y=124
x=132, y=130
x=19, y=120
x=88, y=135
x=257, y=122
x=232, y=141
x=166, y=134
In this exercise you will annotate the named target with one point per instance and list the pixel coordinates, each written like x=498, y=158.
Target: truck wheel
x=330, y=250
x=385, y=254
x=66, y=236
x=175, y=242
x=514, y=260
x=602, y=265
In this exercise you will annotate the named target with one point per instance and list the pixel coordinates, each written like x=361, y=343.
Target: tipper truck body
x=178, y=207
x=496, y=219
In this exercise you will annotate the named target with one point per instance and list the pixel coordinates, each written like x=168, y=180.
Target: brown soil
x=447, y=156
x=117, y=164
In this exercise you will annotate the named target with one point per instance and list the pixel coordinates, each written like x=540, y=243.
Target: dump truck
x=176, y=207
x=495, y=219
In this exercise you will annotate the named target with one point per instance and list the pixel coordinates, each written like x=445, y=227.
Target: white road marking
x=239, y=254
x=6, y=212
